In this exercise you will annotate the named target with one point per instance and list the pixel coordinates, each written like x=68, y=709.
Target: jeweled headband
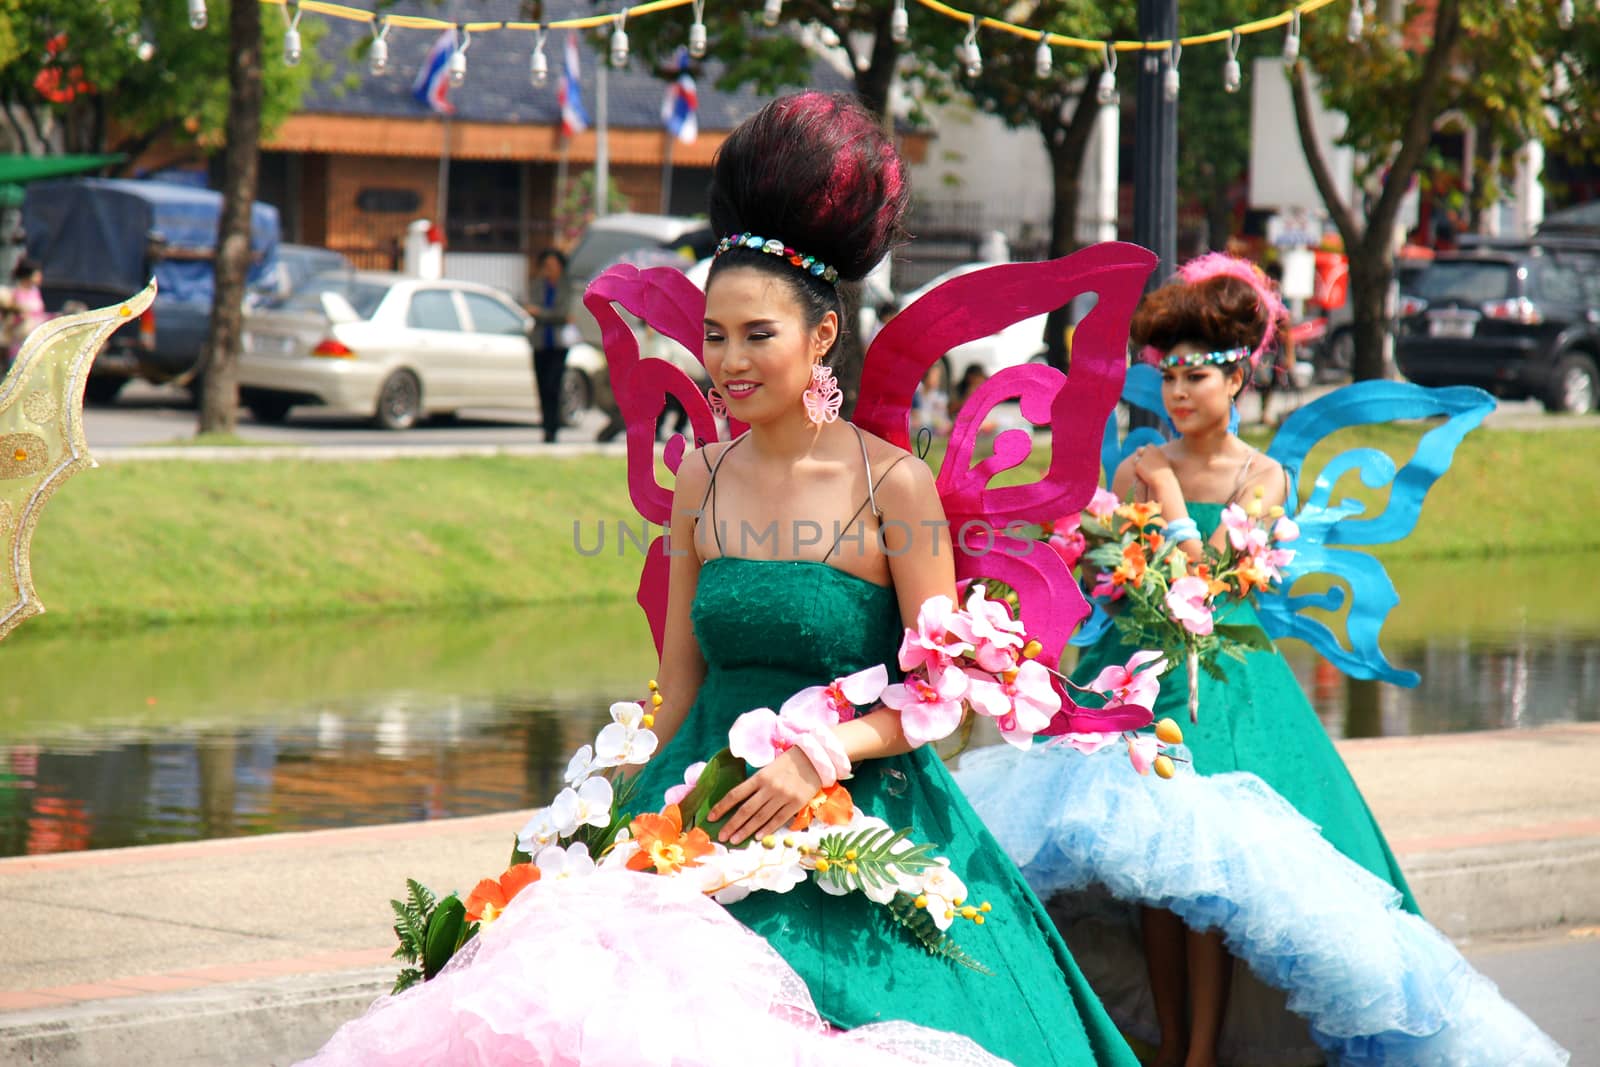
x=774, y=247
x=1201, y=359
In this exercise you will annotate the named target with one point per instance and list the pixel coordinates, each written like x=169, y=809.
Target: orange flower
x=1213, y=586
x=1139, y=514
x=491, y=895
x=663, y=844
x=1251, y=575
x=831, y=805
x=1131, y=570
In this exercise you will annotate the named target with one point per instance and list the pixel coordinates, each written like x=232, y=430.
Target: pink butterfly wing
x=672, y=305
x=1074, y=406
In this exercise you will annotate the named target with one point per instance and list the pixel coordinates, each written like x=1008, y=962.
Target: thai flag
x=680, y=106
x=432, y=87
x=574, y=120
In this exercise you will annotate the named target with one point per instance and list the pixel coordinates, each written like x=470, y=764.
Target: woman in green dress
x=760, y=605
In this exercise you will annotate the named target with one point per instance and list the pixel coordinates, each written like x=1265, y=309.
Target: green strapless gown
x=1260, y=721
x=771, y=628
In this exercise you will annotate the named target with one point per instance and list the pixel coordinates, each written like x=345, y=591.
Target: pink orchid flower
x=1068, y=540
x=996, y=636
x=940, y=636
x=930, y=708
x=1103, y=504
x=1128, y=684
x=1285, y=529
x=837, y=701
x=1186, y=602
x=1142, y=752
x=1239, y=526
x=1105, y=587
x=1021, y=707
x=691, y=778
x=1088, y=744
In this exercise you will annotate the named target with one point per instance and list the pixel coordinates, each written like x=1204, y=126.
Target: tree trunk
x=241, y=159
x=1371, y=269
x=874, y=83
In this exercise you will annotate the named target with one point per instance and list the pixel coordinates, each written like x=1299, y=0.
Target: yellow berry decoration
x=1168, y=732
x=1164, y=767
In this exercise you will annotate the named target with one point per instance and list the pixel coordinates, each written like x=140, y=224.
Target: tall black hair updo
x=815, y=171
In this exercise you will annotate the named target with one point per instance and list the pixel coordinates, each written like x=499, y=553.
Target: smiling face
x=758, y=349
x=1199, y=398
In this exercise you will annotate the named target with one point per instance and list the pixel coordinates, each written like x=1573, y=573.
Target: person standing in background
x=21, y=309
x=551, y=317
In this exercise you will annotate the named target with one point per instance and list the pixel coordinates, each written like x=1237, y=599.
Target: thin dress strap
x=872, y=493
x=711, y=488
x=1243, y=477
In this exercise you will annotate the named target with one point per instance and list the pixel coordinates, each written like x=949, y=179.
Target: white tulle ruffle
x=619, y=969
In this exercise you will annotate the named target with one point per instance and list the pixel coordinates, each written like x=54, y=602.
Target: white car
x=1021, y=342
x=396, y=348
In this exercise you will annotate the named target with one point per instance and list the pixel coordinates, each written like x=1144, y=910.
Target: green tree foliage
x=124, y=74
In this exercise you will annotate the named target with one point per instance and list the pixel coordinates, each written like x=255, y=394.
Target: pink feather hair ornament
x=1213, y=264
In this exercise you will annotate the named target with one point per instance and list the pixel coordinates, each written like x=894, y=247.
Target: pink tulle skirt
x=622, y=969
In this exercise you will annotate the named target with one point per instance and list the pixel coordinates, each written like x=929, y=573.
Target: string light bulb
x=844, y=5
x=1565, y=14
x=1106, y=92
x=458, y=61
x=697, y=31
x=378, y=54
x=1232, y=76
x=899, y=23
x=198, y=16
x=771, y=11
x=1356, y=23
x=1042, y=59
x=1169, y=81
x=968, y=54
x=1291, y=40
x=538, y=63
x=619, y=42
x=291, y=37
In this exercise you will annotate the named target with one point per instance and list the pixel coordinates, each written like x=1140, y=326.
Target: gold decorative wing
x=41, y=435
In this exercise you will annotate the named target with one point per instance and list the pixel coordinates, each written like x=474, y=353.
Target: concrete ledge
x=1507, y=888
x=249, y=1024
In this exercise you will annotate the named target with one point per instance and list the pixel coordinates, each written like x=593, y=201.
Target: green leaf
x=405, y=980
x=517, y=855
x=722, y=772
x=1247, y=634
x=921, y=926
x=445, y=928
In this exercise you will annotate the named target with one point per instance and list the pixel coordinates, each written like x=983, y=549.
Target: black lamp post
x=1155, y=150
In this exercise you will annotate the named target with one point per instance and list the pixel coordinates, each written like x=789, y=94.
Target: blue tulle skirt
x=1329, y=966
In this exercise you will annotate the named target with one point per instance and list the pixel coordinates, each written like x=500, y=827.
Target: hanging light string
x=967, y=18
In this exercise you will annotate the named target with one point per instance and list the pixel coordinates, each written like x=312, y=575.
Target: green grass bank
x=138, y=543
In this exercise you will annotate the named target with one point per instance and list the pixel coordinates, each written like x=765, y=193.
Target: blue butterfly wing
x=1140, y=389
x=1325, y=525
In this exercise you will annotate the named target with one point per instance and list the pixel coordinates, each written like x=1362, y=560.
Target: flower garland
x=956, y=661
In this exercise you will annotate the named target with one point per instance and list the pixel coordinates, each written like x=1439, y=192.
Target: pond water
x=188, y=733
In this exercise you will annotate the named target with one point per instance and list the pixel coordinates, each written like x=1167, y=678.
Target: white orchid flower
x=570, y=862
x=942, y=893
x=620, y=744
x=581, y=766
x=539, y=832
x=589, y=804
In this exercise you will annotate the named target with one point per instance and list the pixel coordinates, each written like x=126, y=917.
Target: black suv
x=1521, y=319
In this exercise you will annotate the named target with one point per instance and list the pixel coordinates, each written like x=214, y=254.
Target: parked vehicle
x=296, y=264
x=394, y=347
x=645, y=240
x=1021, y=342
x=100, y=239
x=1521, y=319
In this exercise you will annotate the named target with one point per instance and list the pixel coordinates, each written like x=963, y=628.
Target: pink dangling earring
x=823, y=397
x=719, y=407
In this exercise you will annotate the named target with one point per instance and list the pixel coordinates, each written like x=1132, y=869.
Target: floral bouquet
x=1164, y=599
x=977, y=660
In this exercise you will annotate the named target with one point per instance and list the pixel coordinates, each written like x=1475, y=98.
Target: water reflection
x=193, y=733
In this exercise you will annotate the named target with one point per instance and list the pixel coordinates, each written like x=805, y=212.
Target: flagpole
x=666, y=173
x=561, y=188
x=602, y=146
x=444, y=180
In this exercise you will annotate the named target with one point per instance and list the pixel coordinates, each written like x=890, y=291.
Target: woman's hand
x=1151, y=466
x=768, y=799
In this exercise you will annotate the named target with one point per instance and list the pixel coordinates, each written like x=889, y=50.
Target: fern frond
x=405, y=980
x=921, y=926
x=422, y=900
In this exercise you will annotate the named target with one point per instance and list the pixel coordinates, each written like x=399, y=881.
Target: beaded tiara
x=774, y=247
x=1200, y=359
